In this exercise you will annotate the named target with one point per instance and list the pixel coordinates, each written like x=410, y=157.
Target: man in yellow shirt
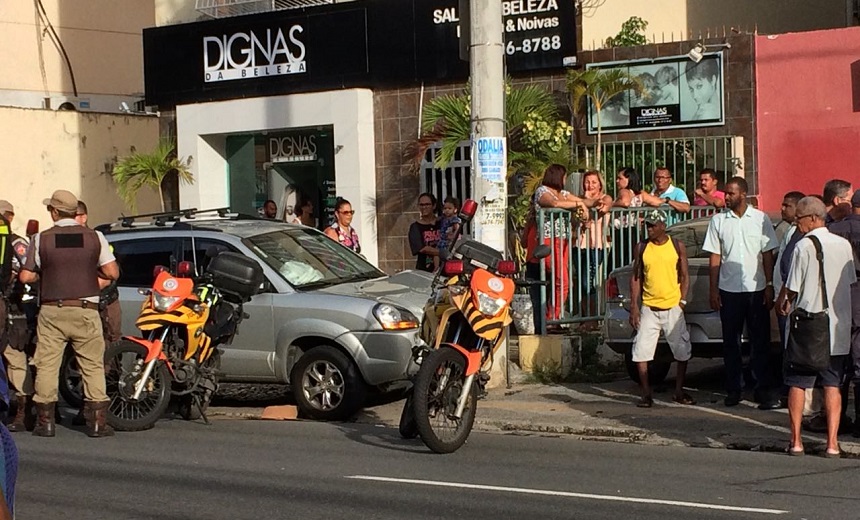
x=660, y=278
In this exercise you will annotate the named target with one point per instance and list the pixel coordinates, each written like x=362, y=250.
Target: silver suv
x=326, y=322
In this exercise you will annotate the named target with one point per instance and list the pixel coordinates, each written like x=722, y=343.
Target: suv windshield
x=307, y=259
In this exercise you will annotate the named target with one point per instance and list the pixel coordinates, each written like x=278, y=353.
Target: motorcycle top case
x=236, y=274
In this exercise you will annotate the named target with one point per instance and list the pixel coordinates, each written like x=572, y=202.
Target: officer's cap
x=6, y=207
x=62, y=200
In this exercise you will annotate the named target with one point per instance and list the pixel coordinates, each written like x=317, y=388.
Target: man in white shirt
x=741, y=242
x=804, y=291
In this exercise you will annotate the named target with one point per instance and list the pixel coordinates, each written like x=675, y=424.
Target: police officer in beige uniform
x=22, y=317
x=69, y=259
x=109, y=306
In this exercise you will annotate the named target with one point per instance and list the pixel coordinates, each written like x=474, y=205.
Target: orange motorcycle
x=465, y=322
x=185, y=319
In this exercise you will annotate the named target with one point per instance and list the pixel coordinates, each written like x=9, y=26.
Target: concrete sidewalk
x=607, y=411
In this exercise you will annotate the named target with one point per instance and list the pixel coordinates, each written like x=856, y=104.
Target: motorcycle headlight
x=394, y=318
x=489, y=306
x=163, y=303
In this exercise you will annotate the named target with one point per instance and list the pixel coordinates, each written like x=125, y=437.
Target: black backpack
x=640, y=250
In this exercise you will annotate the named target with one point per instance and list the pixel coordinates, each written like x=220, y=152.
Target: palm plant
x=535, y=134
x=447, y=120
x=140, y=170
x=599, y=86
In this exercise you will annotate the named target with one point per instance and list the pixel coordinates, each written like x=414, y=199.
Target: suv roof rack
x=162, y=218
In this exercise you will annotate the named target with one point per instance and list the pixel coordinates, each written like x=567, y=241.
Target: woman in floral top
x=556, y=234
x=341, y=230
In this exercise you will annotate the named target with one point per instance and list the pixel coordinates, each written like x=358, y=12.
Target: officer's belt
x=71, y=303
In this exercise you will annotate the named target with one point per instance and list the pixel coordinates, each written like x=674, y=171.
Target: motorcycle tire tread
x=420, y=411
x=133, y=425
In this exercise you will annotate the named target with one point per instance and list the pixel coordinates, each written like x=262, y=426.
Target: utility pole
x=489, y=143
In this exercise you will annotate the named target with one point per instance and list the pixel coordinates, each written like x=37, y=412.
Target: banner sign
x=489, y=155
x=676, y=92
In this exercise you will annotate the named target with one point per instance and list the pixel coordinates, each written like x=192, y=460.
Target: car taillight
x=507, y=267
x=612, y=291
x=453, y=267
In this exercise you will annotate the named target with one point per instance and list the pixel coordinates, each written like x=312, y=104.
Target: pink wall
x=807, y=111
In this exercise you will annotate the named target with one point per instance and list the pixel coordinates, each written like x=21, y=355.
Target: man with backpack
x=660, y=277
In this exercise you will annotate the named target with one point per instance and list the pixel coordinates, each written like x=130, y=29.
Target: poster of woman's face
x=701, y=99
x=673, y=92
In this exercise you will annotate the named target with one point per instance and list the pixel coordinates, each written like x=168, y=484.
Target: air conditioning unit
x=66, y=103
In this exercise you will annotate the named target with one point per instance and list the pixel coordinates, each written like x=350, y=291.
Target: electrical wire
x=57, y=42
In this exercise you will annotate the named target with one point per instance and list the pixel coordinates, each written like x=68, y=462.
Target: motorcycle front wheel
x=437, y=389
x=125, y=367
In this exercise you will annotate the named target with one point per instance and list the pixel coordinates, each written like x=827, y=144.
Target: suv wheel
x=326, y=384
x=657, y=370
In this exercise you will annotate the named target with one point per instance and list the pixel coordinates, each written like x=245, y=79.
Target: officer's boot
x=96, y=415
x=44, y=420
x=18, y=424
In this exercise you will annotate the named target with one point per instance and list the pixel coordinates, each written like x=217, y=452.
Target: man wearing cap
x=741, y=242
x=660, y=277
x=849, y=229
x=109, y=306
x=22, y=317
x=69, y=259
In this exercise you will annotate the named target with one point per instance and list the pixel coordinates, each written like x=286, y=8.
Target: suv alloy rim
x=323, y=385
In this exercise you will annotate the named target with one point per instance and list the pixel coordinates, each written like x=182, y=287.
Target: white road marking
x=526, y=491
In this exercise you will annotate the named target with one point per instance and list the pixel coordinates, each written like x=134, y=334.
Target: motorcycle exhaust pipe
x=464, y=396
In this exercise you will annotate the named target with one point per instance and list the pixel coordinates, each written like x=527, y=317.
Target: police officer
x=22, y=322
x=69, y=259
x=109, y=307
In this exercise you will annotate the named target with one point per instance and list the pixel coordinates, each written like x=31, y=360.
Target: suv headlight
x=489, y=306
x=394, y=318
x=163, y=303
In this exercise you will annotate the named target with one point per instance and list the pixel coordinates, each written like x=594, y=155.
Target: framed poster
x=676, y=92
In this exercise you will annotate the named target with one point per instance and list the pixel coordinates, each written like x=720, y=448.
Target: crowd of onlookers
x=755, y=267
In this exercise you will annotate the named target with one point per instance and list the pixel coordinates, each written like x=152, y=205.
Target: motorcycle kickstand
x=202, y=413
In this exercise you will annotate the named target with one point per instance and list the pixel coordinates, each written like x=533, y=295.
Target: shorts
x=673, y=325
x=830, y=377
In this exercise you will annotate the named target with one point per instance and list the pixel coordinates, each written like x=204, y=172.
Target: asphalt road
x=238, y=469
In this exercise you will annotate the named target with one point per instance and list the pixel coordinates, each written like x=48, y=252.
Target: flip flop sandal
x=795, y=452
x=645, y=402
x=684, y=399
x=832, y=455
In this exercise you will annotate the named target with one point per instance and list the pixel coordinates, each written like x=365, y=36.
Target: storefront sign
x=675, y=92
x=293, y=148
x=539, y=34
x=253, y=54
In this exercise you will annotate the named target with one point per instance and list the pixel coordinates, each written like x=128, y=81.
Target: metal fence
x=584, y=252
x=685, y=158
